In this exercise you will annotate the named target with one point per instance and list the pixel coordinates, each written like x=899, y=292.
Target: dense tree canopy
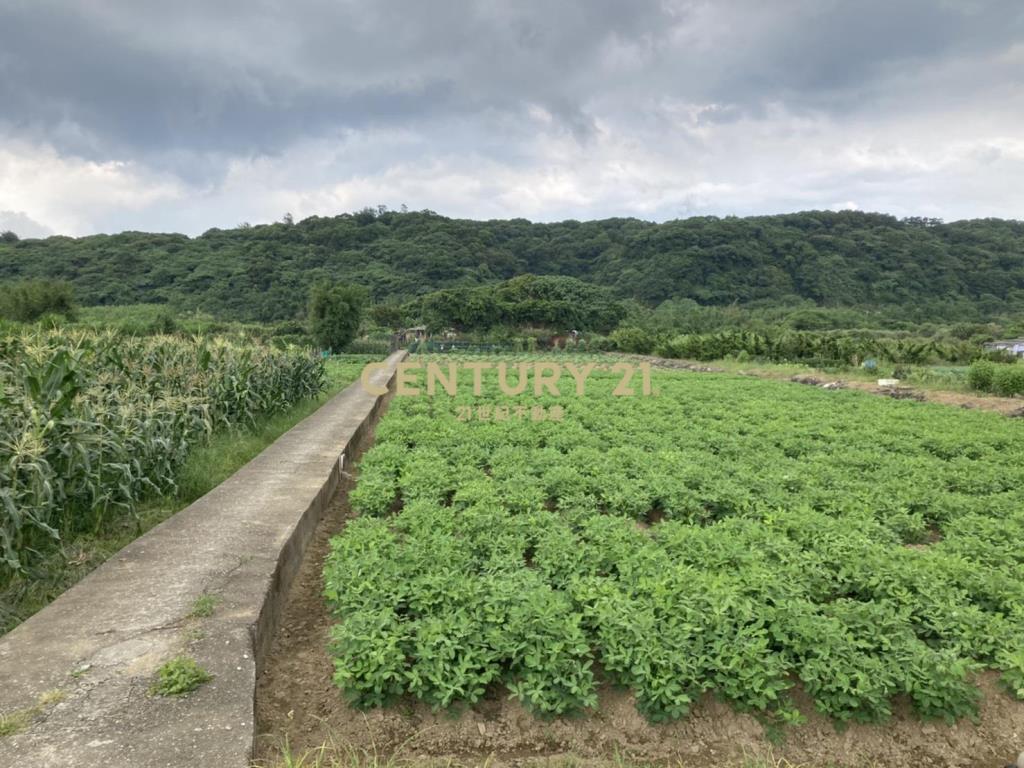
x=963, y=270
x=29, y=300
x=335, y=313
x=563, y=303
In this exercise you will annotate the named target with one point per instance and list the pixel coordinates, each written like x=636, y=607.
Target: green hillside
x=963, y=270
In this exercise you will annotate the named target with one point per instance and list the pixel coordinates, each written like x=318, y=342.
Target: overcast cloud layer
x=134, y=114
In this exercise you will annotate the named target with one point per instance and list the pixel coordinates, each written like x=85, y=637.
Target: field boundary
x=207, y=584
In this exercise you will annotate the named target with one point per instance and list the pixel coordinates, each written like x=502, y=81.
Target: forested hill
x=263, y=272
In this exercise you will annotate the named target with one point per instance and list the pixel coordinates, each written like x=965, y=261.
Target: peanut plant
x=730, y=535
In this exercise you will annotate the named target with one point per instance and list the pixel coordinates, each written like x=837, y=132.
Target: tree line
x=922, y=270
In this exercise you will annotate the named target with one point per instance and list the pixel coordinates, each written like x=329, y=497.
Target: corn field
x=91, y=423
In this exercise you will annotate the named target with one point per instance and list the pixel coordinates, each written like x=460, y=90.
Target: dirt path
x=296, y=700
x=1009, y=406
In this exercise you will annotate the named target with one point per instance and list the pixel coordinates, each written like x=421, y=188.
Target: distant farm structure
x=1014, y=347
x=416, y=333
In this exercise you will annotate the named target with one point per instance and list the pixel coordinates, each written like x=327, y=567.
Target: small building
x=416, y=333
x=1014, y=347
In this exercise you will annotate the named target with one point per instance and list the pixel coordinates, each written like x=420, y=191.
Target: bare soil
x=297, y=701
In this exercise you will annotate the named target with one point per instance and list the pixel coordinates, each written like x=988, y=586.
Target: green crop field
x=725, y=533
x=92, y=423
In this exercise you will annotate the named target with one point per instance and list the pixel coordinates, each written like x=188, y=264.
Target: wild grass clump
x=20, y=719
x=203, y=607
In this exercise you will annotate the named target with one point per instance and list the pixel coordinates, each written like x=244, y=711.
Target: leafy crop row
x=91, y=423
x=730, y=535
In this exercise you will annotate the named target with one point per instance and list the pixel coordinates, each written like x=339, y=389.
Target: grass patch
x=20, y=719
x=331, y=754
x=178, y=677
x=203, y=607
x=207, y=467
x=15, y=722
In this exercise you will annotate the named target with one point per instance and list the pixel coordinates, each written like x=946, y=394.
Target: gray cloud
x=195, y=95
x=22, y=225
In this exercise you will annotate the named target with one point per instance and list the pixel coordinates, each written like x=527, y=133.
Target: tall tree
x=335, y=313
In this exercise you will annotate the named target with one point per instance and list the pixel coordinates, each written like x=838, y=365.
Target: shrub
x=980, y=374
x=636, y=340
x=1008, y=380
x=682, y=346
x=29, y=300
x=1004, y=380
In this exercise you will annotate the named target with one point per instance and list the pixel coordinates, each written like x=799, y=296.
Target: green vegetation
x=337, y=754
x=17, y=721
x=29, y=300
x=925, y=377
x=1004, y=380
x=335, y=314
x=332, y=754
x=203, y=607
x=14, y=722
x=820, y=287
x=206, y=466
x=912, y=271
x=93, y=423
x=804, y=346
x=178, y=677
x=528, y=300
x=729, y=534
x=159, y=319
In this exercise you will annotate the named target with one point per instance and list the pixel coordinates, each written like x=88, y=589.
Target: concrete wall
x=100, y=644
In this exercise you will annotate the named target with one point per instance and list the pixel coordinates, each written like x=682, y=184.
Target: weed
x=18, y=720
x=15, y=722
x=178, y=677
x=331, y=754
x=203, y=607
x=50, y=698
x=80, y=672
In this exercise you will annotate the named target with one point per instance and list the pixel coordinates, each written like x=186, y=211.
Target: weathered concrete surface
x=102, y=641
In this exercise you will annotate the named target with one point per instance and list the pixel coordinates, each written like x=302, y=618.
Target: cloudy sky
x=185, y=115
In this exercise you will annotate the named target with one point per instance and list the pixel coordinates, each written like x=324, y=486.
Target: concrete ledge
x=100, y=643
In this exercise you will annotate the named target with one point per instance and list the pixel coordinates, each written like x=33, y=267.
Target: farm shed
x=416, y=333
x=1013, y=346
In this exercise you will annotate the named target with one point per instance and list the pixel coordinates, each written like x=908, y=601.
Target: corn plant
x=92, y=423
